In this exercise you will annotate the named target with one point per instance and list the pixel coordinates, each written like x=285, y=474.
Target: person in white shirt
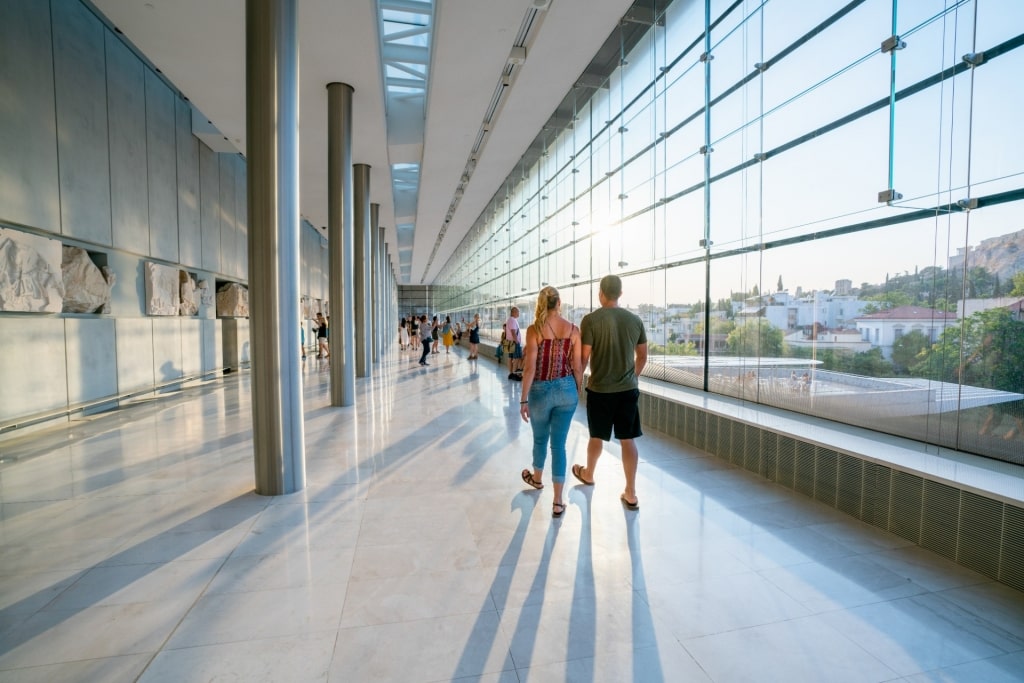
x=515, y=355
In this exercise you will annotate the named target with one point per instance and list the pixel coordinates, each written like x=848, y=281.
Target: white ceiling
x=199, y=45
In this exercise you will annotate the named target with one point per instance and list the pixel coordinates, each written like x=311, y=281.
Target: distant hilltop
x=1002, y=255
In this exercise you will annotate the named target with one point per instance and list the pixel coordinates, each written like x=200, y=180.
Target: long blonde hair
x=547, y=301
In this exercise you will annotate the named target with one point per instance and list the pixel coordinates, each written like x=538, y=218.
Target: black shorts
x=620, y=410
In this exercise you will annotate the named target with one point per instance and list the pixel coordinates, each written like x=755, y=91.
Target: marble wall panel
x=167, y=363
x=126, y=111
x=134, y=354
x=29, y=192
x=212, y=340
x=163, y=293
x=91, y=363
x=228, y=243
x=30, y=275
x=161, y=167
x=190, y=244
x=209, y=207
x=191, y=346
x=80, y=75
x=236, y=350
x=32, y=366
x=242, y=217
x=243, y=339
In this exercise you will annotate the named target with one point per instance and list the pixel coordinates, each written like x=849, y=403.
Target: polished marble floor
x=134, y=548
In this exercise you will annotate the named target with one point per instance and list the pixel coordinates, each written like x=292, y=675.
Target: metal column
x=272, y=151
x=387, y=332
x=340, y=248
x=361, y=227
x=375, y=282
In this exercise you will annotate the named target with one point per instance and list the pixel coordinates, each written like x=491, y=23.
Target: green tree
x=906, y=349
x=891, y=299
x=756, y=337
x=870, y=363
x=674, y=349
x=1018, y=284
x=718, y=326
x=980, y=283
x=989, y=353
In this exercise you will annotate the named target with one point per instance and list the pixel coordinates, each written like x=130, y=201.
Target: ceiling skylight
x=405, y=28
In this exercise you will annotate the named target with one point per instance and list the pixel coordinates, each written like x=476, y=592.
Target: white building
x=882, y=329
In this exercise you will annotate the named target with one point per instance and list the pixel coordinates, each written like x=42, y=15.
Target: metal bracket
x=968, y=203
x=761, y=66
x=706, y=243
x=892, y=43
x=889, y=195
x=623, y=196
x=974, y=58
x=706, y=149
x=706, y=57
x=760, y=156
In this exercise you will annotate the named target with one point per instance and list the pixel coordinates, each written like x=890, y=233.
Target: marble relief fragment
x=206, y=293
x=162, y=294
x=189, y=295
x=232, y=301
x=30, y=275
x=86, y=287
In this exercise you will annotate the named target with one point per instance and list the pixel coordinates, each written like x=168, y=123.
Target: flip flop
x=557, y=509
x=576, y=472
x=528, y=478
x=630, y=506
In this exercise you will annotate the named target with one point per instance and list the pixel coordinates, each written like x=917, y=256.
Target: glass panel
x=817, y=184
x=821, y=300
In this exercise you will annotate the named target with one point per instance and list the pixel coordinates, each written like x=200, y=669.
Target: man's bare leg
x=594, y=448
x=630, y=457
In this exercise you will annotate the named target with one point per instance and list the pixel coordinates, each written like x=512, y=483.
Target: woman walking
x=552, y=381
x=474, y=337
x=447, y=334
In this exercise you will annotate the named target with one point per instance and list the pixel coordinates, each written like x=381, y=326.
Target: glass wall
x=814, y=206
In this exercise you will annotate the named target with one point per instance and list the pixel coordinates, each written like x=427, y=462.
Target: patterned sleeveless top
x=554, y=360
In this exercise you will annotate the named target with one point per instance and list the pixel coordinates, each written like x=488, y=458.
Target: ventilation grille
x=980, y=522
x=939, y=515
x=980, y=533
x=850, y=493
x=1011, y=562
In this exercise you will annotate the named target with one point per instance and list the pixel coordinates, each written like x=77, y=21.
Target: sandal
x=557, y=509
x=635, y=505
x=528, y=478
x=577, y=471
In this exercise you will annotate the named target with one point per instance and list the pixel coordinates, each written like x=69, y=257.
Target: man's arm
x=641, y=359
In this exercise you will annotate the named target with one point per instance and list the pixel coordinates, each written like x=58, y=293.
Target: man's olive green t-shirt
x=612, y=334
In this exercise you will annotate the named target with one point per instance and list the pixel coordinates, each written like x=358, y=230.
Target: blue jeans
x=552, y=405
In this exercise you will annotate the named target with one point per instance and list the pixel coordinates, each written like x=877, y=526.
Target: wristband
x=523, y=403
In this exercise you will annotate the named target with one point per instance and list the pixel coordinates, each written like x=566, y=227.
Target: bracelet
x=523, y=402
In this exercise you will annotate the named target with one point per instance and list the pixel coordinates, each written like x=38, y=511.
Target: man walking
x=515, y=352
x=614, y=342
